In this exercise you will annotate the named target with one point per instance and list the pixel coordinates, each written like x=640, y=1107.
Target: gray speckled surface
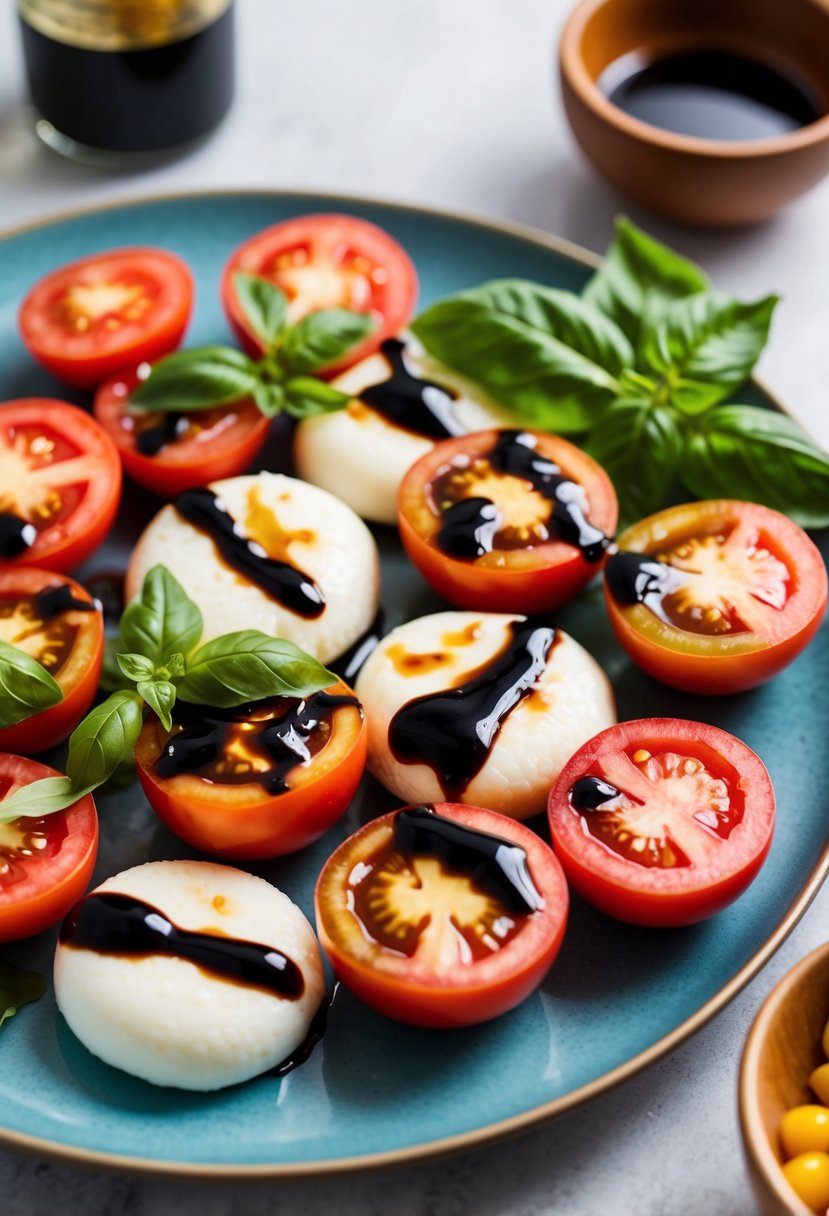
x=452, y=103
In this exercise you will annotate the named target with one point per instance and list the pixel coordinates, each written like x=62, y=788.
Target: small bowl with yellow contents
x=784, y=1092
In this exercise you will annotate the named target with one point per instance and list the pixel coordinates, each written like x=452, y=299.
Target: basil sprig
x=18, y=987
x=26, y=687
x=640, y=367
x=281, y=380
x=164, y=662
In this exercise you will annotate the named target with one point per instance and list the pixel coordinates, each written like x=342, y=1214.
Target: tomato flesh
x=45, y=863
x=422, y=937
x=662, y=821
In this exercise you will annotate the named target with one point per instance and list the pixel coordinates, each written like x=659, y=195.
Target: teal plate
x=374, y=1091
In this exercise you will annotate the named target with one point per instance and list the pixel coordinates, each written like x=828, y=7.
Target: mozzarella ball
x=569, y=703
x=285, y=519
x=167, y=1020
x=361, y=456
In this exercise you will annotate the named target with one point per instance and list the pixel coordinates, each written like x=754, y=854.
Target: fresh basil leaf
x=307, y=397
x=634, y=384
x=638, y=277
x=264, y=305
x=173, y=667
x=639, y=444
x=249, y=665
x=705, y=346
x=40, y=798
x=26, y=687
x=321, y=338
x=270, y=399
x=162, y=620
x=544, y=353
x=104, y=739
x=197, y=380
x=17, y=988
x=160, y=696
x=135, y=666
x=743, y=451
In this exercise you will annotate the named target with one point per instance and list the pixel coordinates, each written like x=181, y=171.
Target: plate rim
x=52, y=1150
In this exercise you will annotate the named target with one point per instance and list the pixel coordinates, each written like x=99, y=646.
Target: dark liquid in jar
x=710, y=94
x=133, y=100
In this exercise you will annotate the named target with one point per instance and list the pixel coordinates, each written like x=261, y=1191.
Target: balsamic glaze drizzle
x=349, y=664
x=408, y=402
x=283, y=582
x=54, y=601
x=636, y=578
x=168, y=429
x=16, y=535
x=111, y=923
x=591, y=793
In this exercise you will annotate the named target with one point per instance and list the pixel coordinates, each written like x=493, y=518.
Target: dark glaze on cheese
x=452, y=731
x=283, y=582
x=111, y=923
x=410, y=403
x=16, y=535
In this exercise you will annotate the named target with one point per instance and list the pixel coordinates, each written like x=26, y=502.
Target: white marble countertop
x=454, y=104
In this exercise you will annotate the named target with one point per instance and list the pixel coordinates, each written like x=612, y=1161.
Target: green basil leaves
x=18, y=987
x=25, y=686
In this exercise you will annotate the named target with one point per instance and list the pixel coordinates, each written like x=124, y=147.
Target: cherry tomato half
x=327, y=261
x=510, y=521
x=717, y=596
x=55, y=621
x=662, y=822
x=173, y=452
x=259, y=780
x=90, y=319
x=46, y=863
x=443, y=915
x=60, y=484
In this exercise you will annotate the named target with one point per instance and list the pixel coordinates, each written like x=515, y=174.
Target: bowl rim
x=575, y=73
x=755, y=1140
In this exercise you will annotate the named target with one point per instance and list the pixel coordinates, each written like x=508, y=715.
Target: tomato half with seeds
x=45, y=863
x=173, y=452
x=60, y=484
x=327, y=261
x=662, y=822
x=508, y=521
x=442, y=915
x=258, y=780
x=88, y=320
x=55, y=621
x=716, y=596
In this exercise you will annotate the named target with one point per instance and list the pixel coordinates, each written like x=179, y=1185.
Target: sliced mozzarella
x=171, y=1022
x=569, y=704
x=292, y=521
x=362, y=457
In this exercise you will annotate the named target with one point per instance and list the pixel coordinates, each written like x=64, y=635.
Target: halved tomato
x=45, y=863
x=88, y=320
x=442, y=915
x=259, y=780
x=509, y=521
x=661, y=821
x=327, y=261
x=60, y=484
x=717, y=596
x=173, y=452
x=55, y=621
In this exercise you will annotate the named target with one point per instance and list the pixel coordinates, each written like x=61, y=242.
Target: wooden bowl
x=782, y=1049
x=702, y=182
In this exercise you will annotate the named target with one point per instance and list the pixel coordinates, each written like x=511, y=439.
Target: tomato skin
x=85, y=357
x=329, y=243
x=475, y=993
x=245, y=822
x=664, y=897
x=238, y=433
x=722, y=665
x=54, y=879
x=531, y=580
x=67, y=542
x=79, y=677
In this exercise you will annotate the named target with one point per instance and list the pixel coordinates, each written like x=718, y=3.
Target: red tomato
x=173, y=452
x=93, y=318
x=235, y=787
x=60, y=484
x=327, y=261
x=415, y=926
x=509, y=521
x=727, y=595
x=45, y=864
x=44, y=615
x=662, y=822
